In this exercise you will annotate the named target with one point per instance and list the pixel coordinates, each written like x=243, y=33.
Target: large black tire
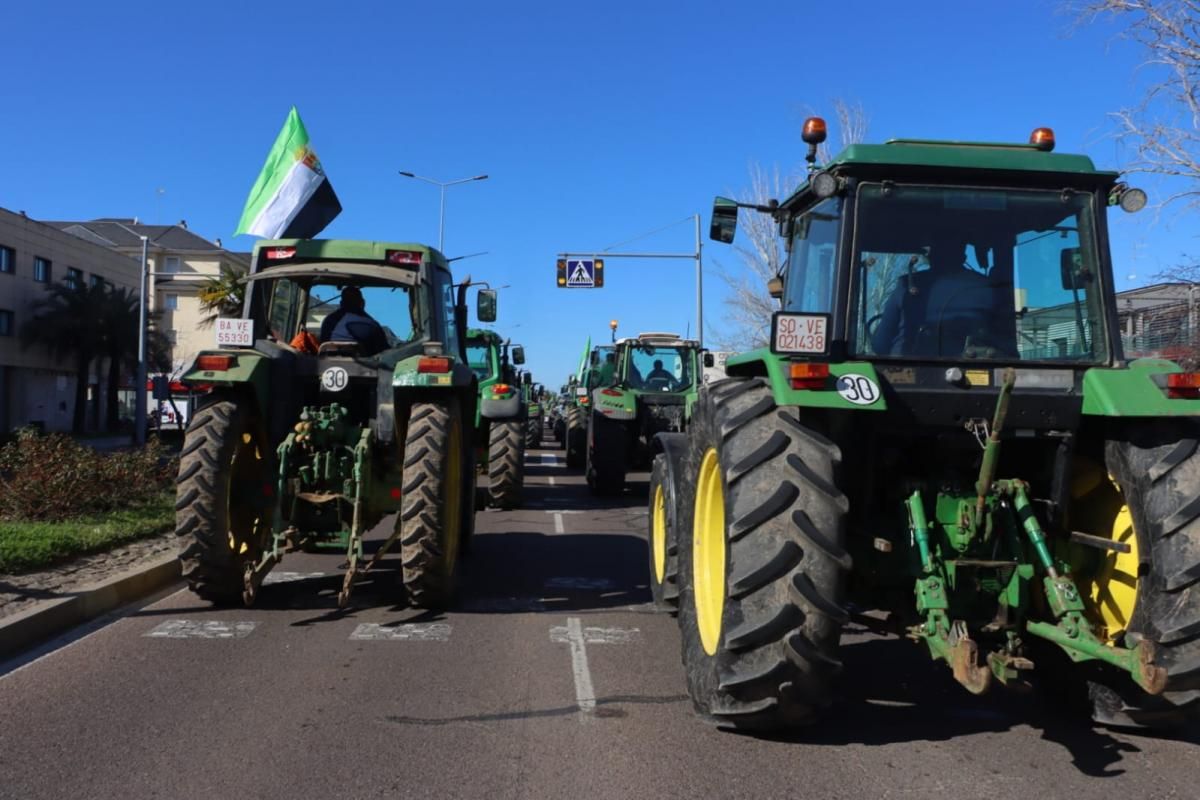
x=533, y=433
x=1156, y=466
x=607, y=446
x=661, y=544
x=223, y=499
x=576, y=437
x=506, y=463
x=436, y=483
x=764, y=657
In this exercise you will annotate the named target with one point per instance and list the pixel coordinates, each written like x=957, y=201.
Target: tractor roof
x=964, y=157
x=484, y=333
x=659, y=340
x=402, y=255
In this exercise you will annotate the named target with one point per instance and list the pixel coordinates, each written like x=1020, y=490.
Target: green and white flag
x=292, y=198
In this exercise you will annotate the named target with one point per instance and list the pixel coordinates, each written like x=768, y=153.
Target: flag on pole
x=587, y=348
x=292, y=198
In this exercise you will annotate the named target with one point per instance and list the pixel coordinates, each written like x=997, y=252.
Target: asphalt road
x=552, y=679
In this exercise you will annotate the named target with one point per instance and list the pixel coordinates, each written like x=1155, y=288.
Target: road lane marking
x=197, y=629
x=578, y=637
x=558, y=524
x=408, y=632
x=551, y=480
x=290, y=577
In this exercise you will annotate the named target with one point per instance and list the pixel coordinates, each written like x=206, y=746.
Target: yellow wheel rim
x=658, y=537
x=708, y=552
x=452, y=501
x=1114, y=590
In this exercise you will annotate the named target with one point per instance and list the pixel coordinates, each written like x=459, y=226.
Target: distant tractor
x=943, y=429
x=348, y=399
x=535, y=422
x=500, y=416
x=652, y=391
x=598, y=369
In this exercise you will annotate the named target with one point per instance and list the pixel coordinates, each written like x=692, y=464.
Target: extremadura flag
x=292, y=198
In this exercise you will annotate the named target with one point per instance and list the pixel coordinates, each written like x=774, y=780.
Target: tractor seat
x=338, y=349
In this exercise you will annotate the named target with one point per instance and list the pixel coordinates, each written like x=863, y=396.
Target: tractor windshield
x=478, y=358
x=977, y=273
x=660, y=369
x=388, y=314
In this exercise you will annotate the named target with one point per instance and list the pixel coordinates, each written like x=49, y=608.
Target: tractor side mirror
x=527, y=379
x=485, y=305
x=518, y=354
x=710, y=360
x=775, y=287
x=1070, y=267
x=724, y=220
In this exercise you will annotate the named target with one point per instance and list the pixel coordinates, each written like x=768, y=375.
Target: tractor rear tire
x=576, y=438
x=1157, y=468
x=533, y=433
x=435, y=484
x=762, y=560
x=223, y=506
x=607, y=443
x=661, y=543
x=506, y=463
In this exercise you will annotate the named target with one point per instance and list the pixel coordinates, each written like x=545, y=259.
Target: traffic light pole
x=696, y=256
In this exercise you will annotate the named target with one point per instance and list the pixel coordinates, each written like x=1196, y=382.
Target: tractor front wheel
x=661, y=538
x=506, y=463
x=435, y=483
x=224, y=498
x=762, y=561
x=533, y=433
x=576, y=437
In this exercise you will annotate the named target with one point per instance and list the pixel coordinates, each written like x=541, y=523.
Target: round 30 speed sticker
x=858, y=389
x=334, y=379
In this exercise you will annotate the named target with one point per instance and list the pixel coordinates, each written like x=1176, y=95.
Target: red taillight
x=404, y=256
x=215, y=363
x=1183, y=386
x=610, y=392
x=583, y=401
x=433, y=365
x=501, y=388
x=805, y=375
x=280, y=253
x=1042, y=139
x=394, y=493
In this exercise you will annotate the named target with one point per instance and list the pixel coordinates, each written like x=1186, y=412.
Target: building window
x=171, y=264
x=8, y=259
x=6, y=322
x=171, y=302
x=96, y=280
x=41, y=269
x=74, y=278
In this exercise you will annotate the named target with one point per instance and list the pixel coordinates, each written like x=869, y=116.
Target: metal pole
x=699, y=287
x=442, y=220
x=139, y=389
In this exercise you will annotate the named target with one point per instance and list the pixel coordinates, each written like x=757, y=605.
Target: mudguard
x=501, y=408
x=615, y=403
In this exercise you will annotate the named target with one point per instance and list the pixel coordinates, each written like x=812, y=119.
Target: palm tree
x=222, y=295
x=120, y=345
x=68, y=322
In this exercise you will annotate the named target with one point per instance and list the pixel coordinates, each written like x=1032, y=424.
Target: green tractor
x=652, y=391
x=598, y=368
x=309, y=441
x=535, y=402
x=944, y=439
x=500, y=416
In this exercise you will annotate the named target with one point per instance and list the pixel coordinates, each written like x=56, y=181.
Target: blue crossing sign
x=580, y=273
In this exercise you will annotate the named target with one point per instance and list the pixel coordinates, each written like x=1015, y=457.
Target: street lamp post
x=139, y=394
x=442, y=185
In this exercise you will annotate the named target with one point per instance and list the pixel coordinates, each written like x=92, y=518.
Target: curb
x=51, y=617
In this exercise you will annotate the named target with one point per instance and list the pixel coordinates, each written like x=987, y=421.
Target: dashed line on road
x=578, y=637
x=200, y=629
x=407, y=632
x=558, y=524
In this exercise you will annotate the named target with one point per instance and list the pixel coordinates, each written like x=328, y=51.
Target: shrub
x=52, y=477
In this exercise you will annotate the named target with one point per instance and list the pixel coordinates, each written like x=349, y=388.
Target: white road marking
x=290, y=577
x=578, y=637
x=589, y=584
x=196, y=629
x=409, y=632
x=561, y=511
x=558, y=524
x=551, y=480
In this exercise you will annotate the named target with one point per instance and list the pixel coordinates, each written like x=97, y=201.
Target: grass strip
x=28, y=546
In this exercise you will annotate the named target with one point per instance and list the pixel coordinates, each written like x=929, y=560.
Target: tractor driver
x=352, y=323
x=659, y=377
x=607, y=372
x=944, y=310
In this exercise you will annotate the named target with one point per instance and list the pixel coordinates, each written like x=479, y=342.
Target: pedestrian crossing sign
x=580, y=273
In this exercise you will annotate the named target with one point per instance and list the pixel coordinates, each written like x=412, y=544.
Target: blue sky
x=596, y=122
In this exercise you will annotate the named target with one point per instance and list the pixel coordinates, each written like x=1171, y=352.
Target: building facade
x=35, y=387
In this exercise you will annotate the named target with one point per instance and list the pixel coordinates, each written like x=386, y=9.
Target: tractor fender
x=615, y=403
x=674, y=447
x=500, y=408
